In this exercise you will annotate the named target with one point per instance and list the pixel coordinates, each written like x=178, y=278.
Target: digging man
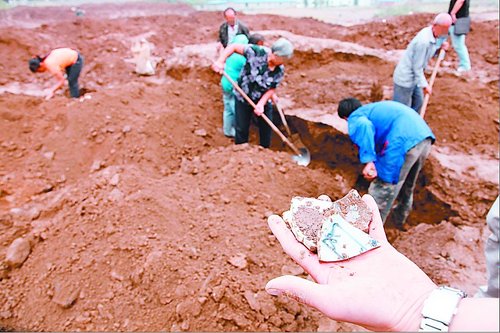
x=263, y=71
x=58, y=62
x=410, y=83
x=394, y=142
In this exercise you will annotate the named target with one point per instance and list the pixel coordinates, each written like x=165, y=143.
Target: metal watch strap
x=439, y=309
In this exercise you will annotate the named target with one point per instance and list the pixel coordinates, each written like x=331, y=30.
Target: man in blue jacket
x=394, y=142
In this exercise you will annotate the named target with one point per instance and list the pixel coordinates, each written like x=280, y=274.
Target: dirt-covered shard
x=305, y=218
x=307, y=215
x=354, y=210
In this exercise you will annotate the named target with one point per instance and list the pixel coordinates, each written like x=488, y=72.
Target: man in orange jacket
x=57, y=62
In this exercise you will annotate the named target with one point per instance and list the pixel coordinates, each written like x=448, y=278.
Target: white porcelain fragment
x=340, y=240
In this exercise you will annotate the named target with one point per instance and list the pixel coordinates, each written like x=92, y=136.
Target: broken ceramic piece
x=340, y=240
x=305, y=219
x=306, y=216
x=354, y=210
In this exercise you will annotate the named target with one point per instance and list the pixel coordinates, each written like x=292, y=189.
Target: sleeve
x=362, y=133
x=249, y=51
x=418, y=64
x=244, y=29
x=222, y=34
x=277, y=78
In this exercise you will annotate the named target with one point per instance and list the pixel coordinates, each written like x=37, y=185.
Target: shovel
x=283, y=119
x=302, y=157
x=431, y=81
x=295, y=138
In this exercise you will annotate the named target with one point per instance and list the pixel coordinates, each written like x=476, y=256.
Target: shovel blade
x=304, y=158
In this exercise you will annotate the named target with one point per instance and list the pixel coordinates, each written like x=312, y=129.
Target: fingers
x=376, y=225
x=324, y=197
x=217, y=68
x=301, y=290
x=298, y=252
x=369, y=177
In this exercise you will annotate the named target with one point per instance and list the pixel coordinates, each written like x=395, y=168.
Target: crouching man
x=394, y=142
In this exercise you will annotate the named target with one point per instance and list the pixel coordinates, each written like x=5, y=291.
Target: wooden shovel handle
x=266, y=119
x=431, y=81
x=283, y=119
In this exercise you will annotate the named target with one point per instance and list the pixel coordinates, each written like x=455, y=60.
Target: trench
x=332, y=149
x=324, y=134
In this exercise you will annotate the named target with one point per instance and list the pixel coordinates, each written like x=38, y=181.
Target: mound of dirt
x=128, y=209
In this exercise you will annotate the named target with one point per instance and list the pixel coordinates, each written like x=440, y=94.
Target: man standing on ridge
x=409, y=79
x=232, y=27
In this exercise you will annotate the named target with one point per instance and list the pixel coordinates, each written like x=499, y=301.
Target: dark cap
x=34, y=64
x=256, y=38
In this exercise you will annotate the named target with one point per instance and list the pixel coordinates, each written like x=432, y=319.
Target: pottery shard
x=200, y=132
x=65, y=295
x=305, y=219
x=307, y=215
x=18, y=252
x=354, y=210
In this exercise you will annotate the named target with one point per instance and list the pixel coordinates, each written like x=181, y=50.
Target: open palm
x=380, y=290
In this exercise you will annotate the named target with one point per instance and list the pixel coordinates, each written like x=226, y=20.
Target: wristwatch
x=439, y=309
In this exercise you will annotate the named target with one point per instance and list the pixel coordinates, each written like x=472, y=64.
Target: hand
x=259, y=110
x=380, y=290
x=445, y=46
x=218, y=67
x=370, y=171
x=275, y=99
x=49, y=95
x=453, y=18
x=428, y=90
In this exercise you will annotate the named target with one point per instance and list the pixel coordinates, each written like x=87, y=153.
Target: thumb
x=304, y=291
x=376, y=225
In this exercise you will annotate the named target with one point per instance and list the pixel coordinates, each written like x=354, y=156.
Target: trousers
x=244, y=113
x=72, y=73
x=412, y=97
x=458, y=43
x=385, y=194
x=228, y=116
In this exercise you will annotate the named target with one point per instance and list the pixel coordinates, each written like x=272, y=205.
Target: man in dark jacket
x=232, y=27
